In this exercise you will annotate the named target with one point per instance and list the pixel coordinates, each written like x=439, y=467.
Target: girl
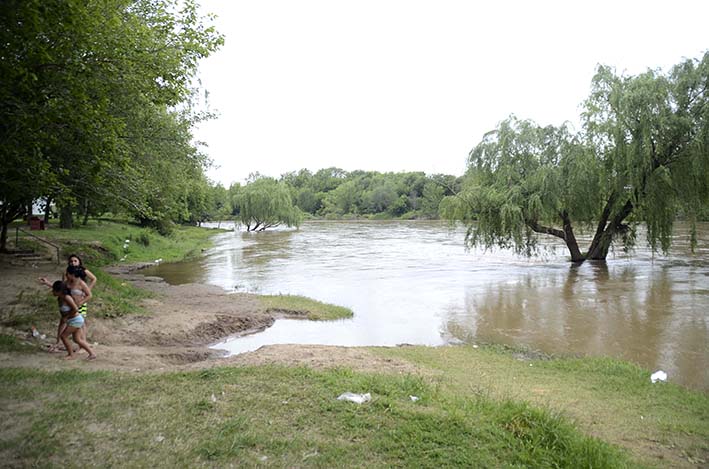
x=71, y=321
x=80, y=293
x=76, y=261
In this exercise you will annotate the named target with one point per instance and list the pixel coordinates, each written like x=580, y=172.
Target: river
x=413, y=282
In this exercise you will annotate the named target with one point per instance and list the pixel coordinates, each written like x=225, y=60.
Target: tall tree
x=82, y=80
x=642, y=156
x=266, y=203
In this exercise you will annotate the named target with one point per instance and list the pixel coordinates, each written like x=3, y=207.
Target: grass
x=277, y=417
x=612, y=399
x=312, y=309
x=10, y=343
x=103, y=242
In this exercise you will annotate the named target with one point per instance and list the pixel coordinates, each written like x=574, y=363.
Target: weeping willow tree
x=265, y=203
x=643, y=157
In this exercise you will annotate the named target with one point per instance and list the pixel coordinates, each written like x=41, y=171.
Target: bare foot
x=70, y=357
x=91, y=357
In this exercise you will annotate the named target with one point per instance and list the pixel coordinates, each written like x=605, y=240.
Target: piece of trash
x=475, y=346
x=35, y=332
x=263, y=458
x=214, y=398
x=159, y=438
x=530, y=364
x=157, y=261
x=127, y=240
x=659, y=375
x=414, y=398
x=352, y=397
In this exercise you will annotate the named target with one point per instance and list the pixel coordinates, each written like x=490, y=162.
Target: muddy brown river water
x=413, y=282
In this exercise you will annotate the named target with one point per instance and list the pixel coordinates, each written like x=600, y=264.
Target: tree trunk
x=66, y=217
x=86, y=212
x=599, y=250
x=47, y=210
x=570, y=239
x=3, y=237
x=602, y=240
x=8, y=213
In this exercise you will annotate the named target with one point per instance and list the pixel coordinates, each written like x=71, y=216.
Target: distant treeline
x=335, y=193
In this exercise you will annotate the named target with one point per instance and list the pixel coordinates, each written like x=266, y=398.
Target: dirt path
x=181, y=323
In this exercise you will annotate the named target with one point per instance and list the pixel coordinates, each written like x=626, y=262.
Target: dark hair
x=81, y=264
x=59, y=286
x=76, y=271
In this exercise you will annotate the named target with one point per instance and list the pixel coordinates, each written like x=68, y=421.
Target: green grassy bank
x=277, y=417
x=482, y=407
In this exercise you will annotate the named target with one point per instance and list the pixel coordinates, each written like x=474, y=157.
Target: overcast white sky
x=406, y=85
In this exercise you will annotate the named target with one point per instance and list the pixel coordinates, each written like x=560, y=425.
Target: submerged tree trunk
x=570, y=240
x=567, y=234
x=598, y=251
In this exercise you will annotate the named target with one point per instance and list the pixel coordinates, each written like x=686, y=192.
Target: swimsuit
x=80, y=295
x=76, y=321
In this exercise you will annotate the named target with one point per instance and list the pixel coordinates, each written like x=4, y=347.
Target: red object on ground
x=36, y=223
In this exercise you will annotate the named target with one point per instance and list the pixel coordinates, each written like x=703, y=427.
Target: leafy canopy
x=642, y=156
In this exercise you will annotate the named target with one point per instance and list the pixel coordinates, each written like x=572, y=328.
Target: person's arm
x=87, y=292
x=72, y=304
x=60, y=329
x=44, y=281
x=91, y=279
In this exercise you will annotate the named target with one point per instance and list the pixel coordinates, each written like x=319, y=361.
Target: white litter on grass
x=352, y=397
x=157, y=261
x=214, y=398
x=414, y=398
x=659, y=375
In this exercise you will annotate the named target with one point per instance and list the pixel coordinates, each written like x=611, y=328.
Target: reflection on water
x=413, y=282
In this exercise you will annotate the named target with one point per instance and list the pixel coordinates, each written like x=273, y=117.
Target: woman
x=76, y=261
x=71, y=323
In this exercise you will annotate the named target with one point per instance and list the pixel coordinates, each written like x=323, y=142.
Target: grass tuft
x=312, y=309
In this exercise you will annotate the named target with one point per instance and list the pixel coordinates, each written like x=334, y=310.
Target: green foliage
x=334, y=193
x=641, y=157
x=95, y=105
x=265, y=203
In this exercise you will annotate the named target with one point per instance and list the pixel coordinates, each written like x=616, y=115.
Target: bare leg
x=79, y=339
x=65, y=340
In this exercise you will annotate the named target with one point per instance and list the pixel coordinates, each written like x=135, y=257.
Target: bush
x=144, y=239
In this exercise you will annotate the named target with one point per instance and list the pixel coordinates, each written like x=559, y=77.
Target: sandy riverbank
x=182, y=322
